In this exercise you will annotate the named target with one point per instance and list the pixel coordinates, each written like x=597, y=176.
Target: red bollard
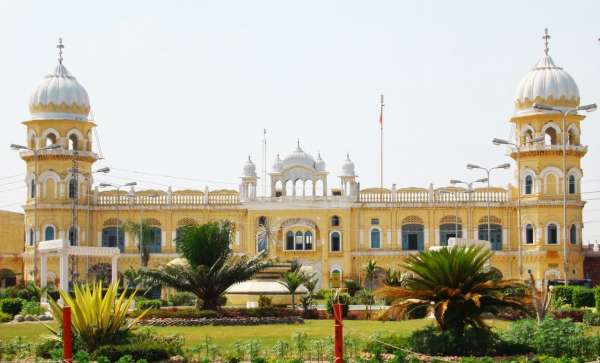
x=67, y=335
x=339, y=333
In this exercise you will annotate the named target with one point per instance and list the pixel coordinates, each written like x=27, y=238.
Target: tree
x=454, y=285
x=307, y=300
x=208, y=266
x=292, y=280
x=143, y=232
x=372, y=273
x=367, y=298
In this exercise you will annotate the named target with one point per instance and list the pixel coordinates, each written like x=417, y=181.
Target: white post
x=114, y=269
x=64, y=272
x=43, y=270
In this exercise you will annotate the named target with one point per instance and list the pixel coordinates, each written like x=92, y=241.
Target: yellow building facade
x=11, y=248
x=335, y=230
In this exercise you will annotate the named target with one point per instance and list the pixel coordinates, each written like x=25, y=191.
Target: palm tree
x=372, y=273
x=143, y=231
x=292, y=280
x=454, y=285
x=208, y=266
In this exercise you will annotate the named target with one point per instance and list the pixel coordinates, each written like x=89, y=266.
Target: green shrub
x=143, y=304
x=558, y=338
x=182, y=299
x=11, y=306
x=178, y=314
x=562, y=295
x=391, y=342
x=264, y=302
x=32, y=308
x=583, y=297
x=81, y=357
x=152, y=352
x=343, y=299
x=597, y=298
x=474, y=342
x=591, y=318
x=45, y=348
x=4, y=317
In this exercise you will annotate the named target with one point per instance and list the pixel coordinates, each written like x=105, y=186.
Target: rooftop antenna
x=546, y=37
x=60, y=46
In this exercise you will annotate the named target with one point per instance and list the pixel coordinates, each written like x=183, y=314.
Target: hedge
x=583, y=297
x=597, y=298
x=11, y=306
x=152, y=352
x=562, y=295
x=143, y=304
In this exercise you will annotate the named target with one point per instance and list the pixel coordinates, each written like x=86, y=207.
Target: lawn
x=224, y=336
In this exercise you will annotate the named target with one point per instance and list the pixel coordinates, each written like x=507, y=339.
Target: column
x=64, y=271
x=43, y=270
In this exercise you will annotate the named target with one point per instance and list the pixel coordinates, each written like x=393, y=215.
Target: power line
x=12, y=176
x=175, y=177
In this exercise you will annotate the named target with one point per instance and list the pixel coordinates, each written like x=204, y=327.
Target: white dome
x=59, y=96
x=320, y=163
x=299, y=158
x=548, y=84
x=266, y=287
x=249, y=170
x=278, y=164
x=348, y=167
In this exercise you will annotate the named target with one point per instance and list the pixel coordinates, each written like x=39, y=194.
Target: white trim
x=380, y=235
x=552, y=170
x=524, y=173
x=44, y=230
x=51, y=130
x=551, y=124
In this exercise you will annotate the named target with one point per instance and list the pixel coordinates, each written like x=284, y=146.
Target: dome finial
x=546, y=37
x=60, y=47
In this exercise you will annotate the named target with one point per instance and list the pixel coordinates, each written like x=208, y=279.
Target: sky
x=182, y=90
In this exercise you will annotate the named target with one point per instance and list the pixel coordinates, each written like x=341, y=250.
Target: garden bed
x=222, y=321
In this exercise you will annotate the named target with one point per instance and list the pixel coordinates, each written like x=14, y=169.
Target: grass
x=224, y=336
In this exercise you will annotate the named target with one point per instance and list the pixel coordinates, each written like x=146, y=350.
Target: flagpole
x=381, y=144
x=264, y=163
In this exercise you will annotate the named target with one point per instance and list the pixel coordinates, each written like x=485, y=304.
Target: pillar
x=43, y=270
x=64, y=271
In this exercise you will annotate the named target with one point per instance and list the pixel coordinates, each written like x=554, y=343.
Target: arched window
x=72, y=189
x=528, y=136
x=289, y=240
x=413, y=237
x=495, y=232
x=336, y=279
x=375, y=238
x=31, y=237
x=552, y=234
x=550, y=136
x=573, y=138
x=110, y=238
x=73, y=236
x=529, y=234
x=529, y=184
x=73, y=142
x=449, y=230
x=572, y=184
x=299, y=240
x=262, y=221
x=573, y=234
x=153, y=240
x=336, y=242
x=49, y=233
x=308, y=237
x=50, y=139
x=335, y=221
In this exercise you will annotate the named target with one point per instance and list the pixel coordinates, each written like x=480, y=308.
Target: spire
x=60, y=46
x=298, y=148
x=348, y=156
x=546, y=37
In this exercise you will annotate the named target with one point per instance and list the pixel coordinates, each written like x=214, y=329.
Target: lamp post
x=104, y=170
x=469, y=186
x=35, y=152
x=118, y=188
x=565, y=112
x=488, y=172
x=517, y=147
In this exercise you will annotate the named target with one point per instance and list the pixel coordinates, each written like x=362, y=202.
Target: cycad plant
x=454, y=285
x=97, y=317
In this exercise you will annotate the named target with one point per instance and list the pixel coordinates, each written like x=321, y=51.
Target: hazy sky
x=185, y=88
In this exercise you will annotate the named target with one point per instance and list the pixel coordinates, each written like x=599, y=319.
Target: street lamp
x=488, y=171
x=35, y=197
x=565, y=112
x=497, y=142
x=118, y=188
x=469, y=191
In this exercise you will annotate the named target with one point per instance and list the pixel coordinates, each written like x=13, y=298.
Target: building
x=11, y=248
x=333, y=230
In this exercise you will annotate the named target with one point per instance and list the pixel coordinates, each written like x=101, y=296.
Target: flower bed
x=221, y=321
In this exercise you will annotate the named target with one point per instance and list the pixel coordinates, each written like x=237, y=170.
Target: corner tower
x=59, y=158
x=548, y=151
